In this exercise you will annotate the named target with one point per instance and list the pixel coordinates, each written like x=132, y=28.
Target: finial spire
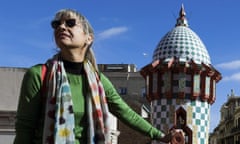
x=232, y=92
x=182, y=21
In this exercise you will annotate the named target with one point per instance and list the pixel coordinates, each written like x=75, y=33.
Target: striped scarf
x=59, y=117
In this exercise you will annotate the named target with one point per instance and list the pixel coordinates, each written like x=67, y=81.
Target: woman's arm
x=121, y=110
x=28, y=107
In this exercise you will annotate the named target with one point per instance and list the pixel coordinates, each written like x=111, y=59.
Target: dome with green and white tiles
x=182, y=43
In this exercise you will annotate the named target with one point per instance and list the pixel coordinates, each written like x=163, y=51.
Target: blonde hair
x=87, y=28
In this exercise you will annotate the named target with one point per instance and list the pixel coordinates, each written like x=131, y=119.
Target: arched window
x=181, y=123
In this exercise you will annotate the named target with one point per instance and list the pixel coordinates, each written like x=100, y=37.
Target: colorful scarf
x=59, y=117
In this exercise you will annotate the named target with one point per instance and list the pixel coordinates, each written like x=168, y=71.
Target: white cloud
x=233, y=77
x=112, y=32
x=230, y=65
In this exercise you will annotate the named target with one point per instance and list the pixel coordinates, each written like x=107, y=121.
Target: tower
x=181, y=83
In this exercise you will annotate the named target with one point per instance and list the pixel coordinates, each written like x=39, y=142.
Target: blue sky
x=126, y=31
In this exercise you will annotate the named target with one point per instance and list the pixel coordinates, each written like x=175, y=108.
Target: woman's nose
x=62, y=25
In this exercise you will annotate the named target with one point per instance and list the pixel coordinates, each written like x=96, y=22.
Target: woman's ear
x=89, y=39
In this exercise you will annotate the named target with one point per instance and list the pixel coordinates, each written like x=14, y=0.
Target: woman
x=70, y=102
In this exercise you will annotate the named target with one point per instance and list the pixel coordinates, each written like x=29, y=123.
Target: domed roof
x=182, y=43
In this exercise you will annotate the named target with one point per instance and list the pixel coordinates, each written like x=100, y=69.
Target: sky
x=126, y=31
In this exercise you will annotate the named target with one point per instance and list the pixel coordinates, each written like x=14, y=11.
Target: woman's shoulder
x=35, y=68
x=34, y=71
x=32, y=78
x=105, y=81
x=103, y=77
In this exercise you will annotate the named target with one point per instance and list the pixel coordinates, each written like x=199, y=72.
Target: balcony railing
x=236, y=129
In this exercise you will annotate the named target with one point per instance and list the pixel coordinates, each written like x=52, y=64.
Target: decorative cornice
x=175, y=66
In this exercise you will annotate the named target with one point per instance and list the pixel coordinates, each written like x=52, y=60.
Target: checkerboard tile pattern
x=183, y=43
x=198, y=116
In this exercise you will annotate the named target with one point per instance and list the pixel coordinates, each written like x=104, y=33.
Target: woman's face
x=68, y=33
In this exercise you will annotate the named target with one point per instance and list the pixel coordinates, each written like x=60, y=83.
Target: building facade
x=10, y=87
x=228, y=129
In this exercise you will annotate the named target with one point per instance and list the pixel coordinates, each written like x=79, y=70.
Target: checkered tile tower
x=181, y=83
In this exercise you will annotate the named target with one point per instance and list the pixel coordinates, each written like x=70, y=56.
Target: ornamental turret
x=181, y=83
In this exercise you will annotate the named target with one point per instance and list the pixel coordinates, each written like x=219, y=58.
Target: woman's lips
x=63, y=35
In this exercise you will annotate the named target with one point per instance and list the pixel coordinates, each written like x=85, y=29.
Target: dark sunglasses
x=68, y=23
